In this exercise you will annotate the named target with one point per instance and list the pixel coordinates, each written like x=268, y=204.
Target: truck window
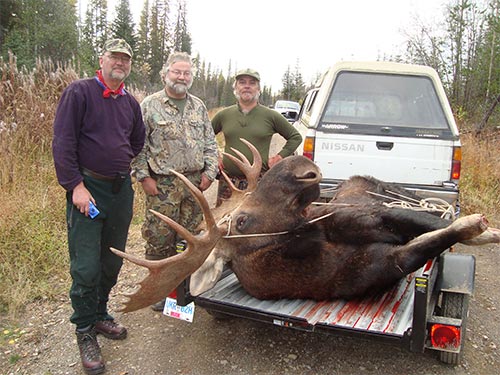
x=389, y=103
x=309, y=101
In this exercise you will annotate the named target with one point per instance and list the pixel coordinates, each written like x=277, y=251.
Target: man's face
x=179, y=77
x=115, y=65
x=247, y=89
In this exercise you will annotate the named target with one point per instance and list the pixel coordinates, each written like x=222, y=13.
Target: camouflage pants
x=175, y=201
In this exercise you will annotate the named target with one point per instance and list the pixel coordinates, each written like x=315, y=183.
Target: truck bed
x=388, y=314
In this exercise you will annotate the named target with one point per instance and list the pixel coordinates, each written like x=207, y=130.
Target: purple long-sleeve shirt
x=96, y=133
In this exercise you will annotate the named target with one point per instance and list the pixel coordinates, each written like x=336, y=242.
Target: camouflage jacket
x=184, y=142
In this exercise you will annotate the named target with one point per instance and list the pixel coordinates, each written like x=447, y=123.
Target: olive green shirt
x=257, y=127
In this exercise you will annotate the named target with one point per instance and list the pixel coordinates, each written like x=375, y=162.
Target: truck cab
x=388, y=120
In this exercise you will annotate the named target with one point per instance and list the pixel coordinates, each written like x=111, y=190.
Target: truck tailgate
x=391, y=159
x=388, y=313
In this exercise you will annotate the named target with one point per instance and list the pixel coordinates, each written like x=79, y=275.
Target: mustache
x=178, y=86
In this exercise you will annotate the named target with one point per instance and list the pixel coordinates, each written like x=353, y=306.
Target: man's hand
x=275, y=159
x=205, y=182
x=81, y=197
x=149, y=186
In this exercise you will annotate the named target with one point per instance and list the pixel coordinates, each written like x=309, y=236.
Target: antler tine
x=230, y=183
x=251, y=171
x=165, y=275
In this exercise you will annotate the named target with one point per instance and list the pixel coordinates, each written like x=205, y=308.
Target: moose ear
x=207, y=275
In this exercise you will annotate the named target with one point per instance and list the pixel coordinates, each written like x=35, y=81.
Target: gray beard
x=178, y=88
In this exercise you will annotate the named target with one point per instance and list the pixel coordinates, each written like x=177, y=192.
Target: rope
x=426, y=204
x=228, y=219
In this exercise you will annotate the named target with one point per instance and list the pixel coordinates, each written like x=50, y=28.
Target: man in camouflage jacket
x=179, y=136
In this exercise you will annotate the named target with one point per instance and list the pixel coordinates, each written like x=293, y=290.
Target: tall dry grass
x=480, y=181
x=32, y=232
x=33, y=252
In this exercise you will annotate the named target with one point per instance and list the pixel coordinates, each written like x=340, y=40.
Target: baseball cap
x=248, y=72
x=117, y=45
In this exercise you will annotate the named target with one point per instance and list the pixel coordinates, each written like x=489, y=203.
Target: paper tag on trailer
x=178, y=312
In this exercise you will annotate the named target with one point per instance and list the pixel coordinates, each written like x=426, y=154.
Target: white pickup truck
x=391, y=121
x=388, y=120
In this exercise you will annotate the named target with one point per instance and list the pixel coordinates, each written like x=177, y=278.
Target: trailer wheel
x=455, y=305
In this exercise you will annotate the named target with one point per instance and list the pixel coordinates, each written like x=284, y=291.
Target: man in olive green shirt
x=254, y=122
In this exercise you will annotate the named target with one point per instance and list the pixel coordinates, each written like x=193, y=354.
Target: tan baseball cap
x=248, y=72
x=117, y=45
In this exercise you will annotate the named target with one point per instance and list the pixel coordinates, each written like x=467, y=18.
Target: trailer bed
x=385, y=314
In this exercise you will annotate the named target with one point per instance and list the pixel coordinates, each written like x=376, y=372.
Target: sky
x=272, y=35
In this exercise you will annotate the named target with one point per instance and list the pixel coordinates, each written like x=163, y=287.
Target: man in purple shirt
x=98, y=129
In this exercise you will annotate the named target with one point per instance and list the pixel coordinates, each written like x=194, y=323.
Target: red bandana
x=107, y=91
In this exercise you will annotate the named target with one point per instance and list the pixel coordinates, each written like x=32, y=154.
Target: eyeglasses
x=116, y=58
x=179, y=73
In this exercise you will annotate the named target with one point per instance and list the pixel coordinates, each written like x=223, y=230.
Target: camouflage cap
x=117, y=45
x=248, y=72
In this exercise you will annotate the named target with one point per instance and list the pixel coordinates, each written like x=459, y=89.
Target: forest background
x=465, y=53
x=44, y=47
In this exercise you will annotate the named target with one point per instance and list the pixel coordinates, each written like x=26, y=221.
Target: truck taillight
x=445, y=337
x=308, y=150
x=456, y=163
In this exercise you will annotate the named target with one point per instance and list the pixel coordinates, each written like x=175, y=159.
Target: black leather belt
x=97, y=176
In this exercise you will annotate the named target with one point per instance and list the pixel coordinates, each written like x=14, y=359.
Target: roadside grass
x=33, y=260
x=480, y=181
x=33, y=248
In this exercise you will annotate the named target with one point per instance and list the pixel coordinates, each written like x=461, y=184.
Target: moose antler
x=251, y=171
x=209, y=273
x=165, y=275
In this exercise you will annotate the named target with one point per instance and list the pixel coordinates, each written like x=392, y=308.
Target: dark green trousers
x=93, y=267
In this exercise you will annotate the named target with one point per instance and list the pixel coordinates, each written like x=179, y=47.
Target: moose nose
x=309, y=175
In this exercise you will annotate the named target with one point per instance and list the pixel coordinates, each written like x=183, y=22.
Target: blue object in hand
x=93, y=211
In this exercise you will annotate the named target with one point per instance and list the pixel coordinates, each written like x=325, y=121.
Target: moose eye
x=241, y=220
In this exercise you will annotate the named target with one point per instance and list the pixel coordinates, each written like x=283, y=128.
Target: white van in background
x=388, y=120
x=289, y=109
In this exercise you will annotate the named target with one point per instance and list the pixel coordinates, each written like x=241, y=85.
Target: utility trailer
x=426, y=310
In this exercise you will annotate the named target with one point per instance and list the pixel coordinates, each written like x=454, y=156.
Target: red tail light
x=173, y=294
x=445, y=336
x=308, y=150
x=456, y=163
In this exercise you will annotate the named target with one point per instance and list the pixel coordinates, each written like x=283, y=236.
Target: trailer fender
x=456, y=273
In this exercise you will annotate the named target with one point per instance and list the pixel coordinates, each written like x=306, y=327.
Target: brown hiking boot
x=111, y=329
x=90, y=352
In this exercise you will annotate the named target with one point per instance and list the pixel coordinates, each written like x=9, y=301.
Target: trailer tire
x=455, y=305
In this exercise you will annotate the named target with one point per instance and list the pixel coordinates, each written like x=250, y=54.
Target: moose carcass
x=279, y=245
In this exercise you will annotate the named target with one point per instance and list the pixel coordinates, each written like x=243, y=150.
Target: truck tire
x=455, y=305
